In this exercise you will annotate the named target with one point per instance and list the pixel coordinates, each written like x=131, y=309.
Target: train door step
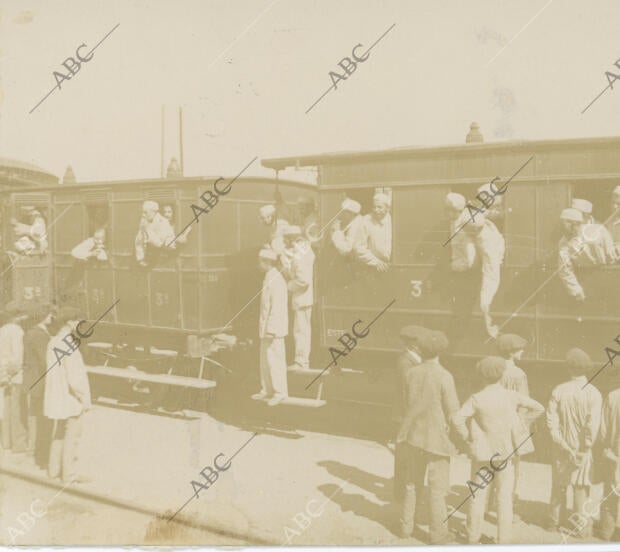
x=301, y=401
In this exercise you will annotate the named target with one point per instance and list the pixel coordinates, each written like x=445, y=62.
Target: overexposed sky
x=245, y=87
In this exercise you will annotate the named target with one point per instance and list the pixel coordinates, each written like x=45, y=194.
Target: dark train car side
x=530, y=301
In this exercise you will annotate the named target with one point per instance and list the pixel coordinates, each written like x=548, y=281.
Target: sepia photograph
x=301, y=272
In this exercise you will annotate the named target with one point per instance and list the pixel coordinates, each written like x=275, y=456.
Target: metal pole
x=181, y=140
x=163, y=131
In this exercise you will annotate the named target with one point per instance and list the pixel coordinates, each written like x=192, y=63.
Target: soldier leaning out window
x=374, y=246
x=154, y=232
x=31, y=236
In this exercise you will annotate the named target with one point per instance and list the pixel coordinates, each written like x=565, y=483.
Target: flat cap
x=150, y=205
x=431, y=343
x=269, y=254
x=578, y=359
x=349, y=204
x=573, y=215
x=491, y=368
x=510, y=342
x=582, y=205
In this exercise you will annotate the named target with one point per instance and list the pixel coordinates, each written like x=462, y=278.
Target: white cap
x=456, y=201
x=268, y=254
x=351, y=205
x=582, y=205
x=150, y=205
x=267, y=210
x=571, y=214
x=382, y=198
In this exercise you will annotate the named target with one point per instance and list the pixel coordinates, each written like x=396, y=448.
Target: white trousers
x=273, y=366
x=302, y=333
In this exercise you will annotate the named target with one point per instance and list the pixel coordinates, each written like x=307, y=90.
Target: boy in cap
x=66, y=396
x=375, y=245
x=573, y=419
x=511, y=347
x=300, y=285
x=272, y=329
x=346, y=239
x=14, y=432
x=493, y=410
x=423, y=438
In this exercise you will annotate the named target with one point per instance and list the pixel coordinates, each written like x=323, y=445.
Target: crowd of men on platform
x=493, y=428
x=44, y=388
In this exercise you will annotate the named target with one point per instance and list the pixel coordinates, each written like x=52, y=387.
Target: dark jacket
x=35, y=347
x=430, y=402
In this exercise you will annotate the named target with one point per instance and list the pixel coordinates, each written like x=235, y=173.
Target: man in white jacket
x=272, y=329
x=300, y=284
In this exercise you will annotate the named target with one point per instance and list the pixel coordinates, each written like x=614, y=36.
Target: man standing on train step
x=300, y=284
x=272, y=329
x=375, y=246
x=346, y=239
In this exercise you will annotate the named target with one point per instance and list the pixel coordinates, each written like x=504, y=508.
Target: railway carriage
x=204, y=286
x=531, y=299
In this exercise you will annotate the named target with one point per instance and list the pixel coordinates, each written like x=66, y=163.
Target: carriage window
x=30, y=230
x=94, y=246
x=375, y=246
x=156, y=238
x=601, y=228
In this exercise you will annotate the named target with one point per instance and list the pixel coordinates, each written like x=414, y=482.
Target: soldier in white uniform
x=490, y=246
x=154, y=231
x=346, y=239
x=572, y=252
x=272, y=329
x=600, y=245
x=614, y=222
x=375, y=245
x=300, y=284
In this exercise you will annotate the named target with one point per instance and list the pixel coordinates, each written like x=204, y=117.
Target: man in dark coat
x=423, y=436
x=36, y=339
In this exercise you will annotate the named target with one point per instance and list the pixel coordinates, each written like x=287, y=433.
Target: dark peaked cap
x=510, y=342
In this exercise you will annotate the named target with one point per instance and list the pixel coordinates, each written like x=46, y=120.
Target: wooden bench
x=167, y=379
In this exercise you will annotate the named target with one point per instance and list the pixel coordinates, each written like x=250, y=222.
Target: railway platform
x=284, y=486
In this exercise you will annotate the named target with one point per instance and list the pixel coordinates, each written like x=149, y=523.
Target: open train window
x=95, y=244
x=29, y=229
x=598, y=208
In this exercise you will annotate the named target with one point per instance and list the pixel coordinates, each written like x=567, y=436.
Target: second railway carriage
x=531, y=299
